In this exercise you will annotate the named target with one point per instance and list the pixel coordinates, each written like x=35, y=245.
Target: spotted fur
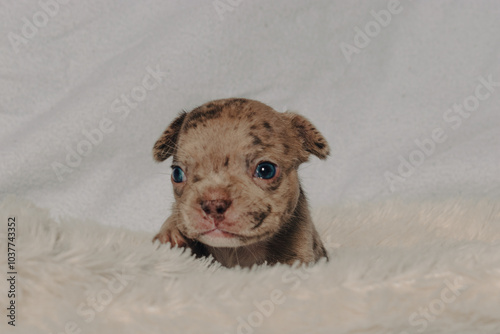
x=218, y=145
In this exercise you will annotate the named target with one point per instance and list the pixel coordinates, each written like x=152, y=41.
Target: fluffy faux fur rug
x=394, y=268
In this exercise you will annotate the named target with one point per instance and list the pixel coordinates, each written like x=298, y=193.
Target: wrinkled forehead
x=215, y=135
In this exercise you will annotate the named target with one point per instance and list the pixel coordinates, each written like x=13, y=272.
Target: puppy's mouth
x=218, y=233
x=221, y=238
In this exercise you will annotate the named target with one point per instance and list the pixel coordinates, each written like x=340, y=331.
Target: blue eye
x=265, y=170
x=178, y=174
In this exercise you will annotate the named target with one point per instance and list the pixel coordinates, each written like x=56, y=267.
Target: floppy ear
x=311, y=139
x=166, y=144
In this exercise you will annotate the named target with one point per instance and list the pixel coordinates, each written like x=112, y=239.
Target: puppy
x=236, y=187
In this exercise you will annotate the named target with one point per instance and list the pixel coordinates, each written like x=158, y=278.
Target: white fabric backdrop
x=119, y=71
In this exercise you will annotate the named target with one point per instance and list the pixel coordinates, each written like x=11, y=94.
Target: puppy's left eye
x=265, y=170
x=178, y=175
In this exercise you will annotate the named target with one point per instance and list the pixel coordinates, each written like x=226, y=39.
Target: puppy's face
x=234, y=169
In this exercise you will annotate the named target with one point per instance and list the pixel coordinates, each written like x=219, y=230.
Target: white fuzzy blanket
x=394, y=267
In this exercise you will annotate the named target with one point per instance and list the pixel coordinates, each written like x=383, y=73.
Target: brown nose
x=215, y=208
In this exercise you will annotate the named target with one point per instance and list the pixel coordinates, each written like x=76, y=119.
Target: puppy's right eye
x=178, y=175
x=266, y=170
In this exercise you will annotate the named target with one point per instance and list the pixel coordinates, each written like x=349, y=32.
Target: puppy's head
x=234, y=169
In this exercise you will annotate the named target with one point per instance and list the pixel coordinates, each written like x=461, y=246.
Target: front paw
x=171, y=235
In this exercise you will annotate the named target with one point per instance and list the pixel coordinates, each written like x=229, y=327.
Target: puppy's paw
x=171, y=235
